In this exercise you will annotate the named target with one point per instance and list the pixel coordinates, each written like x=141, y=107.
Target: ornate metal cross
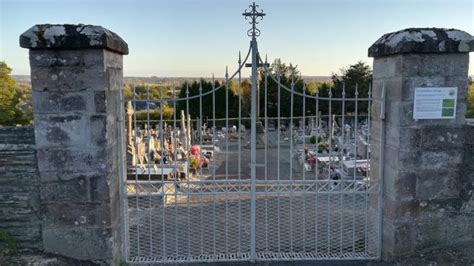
x=253, y=16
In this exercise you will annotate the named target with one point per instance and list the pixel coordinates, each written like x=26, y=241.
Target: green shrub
x=470, y=101
x=313, y=139
x=322, y=146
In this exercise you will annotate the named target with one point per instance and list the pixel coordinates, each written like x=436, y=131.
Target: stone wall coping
x=72, y=36
x=422, y=40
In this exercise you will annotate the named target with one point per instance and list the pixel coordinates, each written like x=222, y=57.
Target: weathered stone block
x=388, y=234
x=387, y=67
x=59, y=79
x=442, y=137
x=392, y=85
x=80, y=242
x=62, y=130
x=406, y=160
x=100, y=188
x=459, y=229
x=113, y=60
x=375, y=131
x=75, y=190
x=51, y=176
x=404, y=239
x=67, y=58
x=400, y=185
x=403, y=138
x=376, y=112
x=426, y=65
x=76, y=214
x=46, y=102
x=100, y=102
x=399, y=113
x=437, y=184
x=469, y=135
x=440, y=160
x=398, y=239
x=114, y=79
x=69, y=160
x=98, y=126
x=431, y=233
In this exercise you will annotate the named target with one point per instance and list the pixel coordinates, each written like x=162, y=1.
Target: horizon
x=199, y=38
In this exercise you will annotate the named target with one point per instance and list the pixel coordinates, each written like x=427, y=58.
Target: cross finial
x=253, y=16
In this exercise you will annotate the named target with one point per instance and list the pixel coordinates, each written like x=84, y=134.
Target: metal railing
x=298, y=186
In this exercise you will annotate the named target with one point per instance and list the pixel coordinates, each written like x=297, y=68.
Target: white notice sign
x=435, y=103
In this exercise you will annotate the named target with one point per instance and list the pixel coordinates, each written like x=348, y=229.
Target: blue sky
x=194, y=38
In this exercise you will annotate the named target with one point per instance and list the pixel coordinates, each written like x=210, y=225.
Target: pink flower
x=195, y=150
x=204, y=160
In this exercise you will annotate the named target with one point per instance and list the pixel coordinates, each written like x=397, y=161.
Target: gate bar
x=253, y=152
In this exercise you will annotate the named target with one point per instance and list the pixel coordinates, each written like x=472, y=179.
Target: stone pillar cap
x=422, y=40
x=71, y=36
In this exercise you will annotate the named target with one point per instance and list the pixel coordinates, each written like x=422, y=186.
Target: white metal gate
x=298, y=186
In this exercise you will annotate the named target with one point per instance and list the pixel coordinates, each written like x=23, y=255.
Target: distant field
x=169, y=80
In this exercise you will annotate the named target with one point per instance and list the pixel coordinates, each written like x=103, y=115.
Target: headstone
x=183, y=133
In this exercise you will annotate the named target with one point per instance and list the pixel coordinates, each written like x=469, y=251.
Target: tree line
x=15, y=99
x=16, y=107
x=227, y=98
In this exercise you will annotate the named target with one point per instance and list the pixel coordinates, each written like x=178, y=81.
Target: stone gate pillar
x=76, y=75
x=428, y=171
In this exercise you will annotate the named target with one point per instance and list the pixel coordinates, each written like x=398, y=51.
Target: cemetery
x=363, y=172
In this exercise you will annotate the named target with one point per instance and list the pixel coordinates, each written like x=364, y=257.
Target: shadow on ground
x=461, y=254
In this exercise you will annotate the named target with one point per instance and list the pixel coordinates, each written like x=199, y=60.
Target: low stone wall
x=19, y=186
